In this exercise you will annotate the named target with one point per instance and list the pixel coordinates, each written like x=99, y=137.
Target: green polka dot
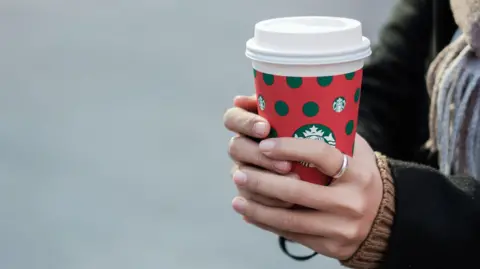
x=268, y=79
x=356, y=97
x=324, y=81
x=254, y=73
x=349, y=127
x=281, y=108
x=310, y=109
x=273, y=133
x=294, y=82
x=350, y=76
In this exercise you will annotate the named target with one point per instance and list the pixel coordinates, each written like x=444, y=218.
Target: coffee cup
x=308, y=77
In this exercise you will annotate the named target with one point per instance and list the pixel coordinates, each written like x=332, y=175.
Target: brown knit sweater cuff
x=371, y=252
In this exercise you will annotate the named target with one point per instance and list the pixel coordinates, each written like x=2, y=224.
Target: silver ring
x=344, y=167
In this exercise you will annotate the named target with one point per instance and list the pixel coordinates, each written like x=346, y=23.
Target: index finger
x=288, y=189
x=248, y=103
x=325, y=157
x=246, y=123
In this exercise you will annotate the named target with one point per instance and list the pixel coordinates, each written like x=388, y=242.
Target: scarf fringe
x=453, y=82
x=434, y=76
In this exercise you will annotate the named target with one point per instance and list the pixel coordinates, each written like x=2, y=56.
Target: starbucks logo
x=261, y=103
x=315, y=132
x=339, y=104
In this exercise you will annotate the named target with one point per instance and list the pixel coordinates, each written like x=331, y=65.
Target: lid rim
x=320, y=58
x=252, y=46
x=310, y=60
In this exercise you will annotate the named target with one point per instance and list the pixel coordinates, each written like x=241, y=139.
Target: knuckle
x=233, y=170
x=245, y=194
x=268, y=164
x=338, y=250
x=364, y=177
x=227, y=117
x=253, y=183
x=358, y=208
x=241, y=149
x=239, y=120
x=351, y=233
x=232, y=146
x=283, y=147
x=290, y=193
x=251, y=211
x=241, y=166
x=321, y=145
x=248, y=122
x=259, y=159
x=267, y=201
x=289, y=222
x=334, y=248
x=294, y=192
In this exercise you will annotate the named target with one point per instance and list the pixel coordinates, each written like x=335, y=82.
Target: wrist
x=371, y=252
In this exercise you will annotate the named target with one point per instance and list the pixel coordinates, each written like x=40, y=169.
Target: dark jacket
x=395, y=102
x=437, y=219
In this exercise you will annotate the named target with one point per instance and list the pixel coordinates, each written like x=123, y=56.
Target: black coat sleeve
x=393, y=115
x=437, y=219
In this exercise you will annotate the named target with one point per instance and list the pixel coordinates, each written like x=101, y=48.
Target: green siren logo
x=315, y=132
x=261, y=103
x=339, y=104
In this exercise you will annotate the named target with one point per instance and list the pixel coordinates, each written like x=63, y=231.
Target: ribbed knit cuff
x=371, y=252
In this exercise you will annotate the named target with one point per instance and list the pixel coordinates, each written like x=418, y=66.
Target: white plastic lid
x=308, y=41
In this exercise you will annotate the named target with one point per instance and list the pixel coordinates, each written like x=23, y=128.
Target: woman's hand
x=243, y=120
x=339, y=217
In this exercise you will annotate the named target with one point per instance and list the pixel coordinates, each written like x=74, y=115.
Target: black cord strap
x=283, y=245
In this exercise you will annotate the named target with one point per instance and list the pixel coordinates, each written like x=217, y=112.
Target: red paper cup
x=321, y=108
x=312, y=93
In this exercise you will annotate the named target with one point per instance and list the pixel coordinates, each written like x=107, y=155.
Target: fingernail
x=239, y=177
x=266, y=145
x=284, y=166
x=239, y=204
x=260, y=128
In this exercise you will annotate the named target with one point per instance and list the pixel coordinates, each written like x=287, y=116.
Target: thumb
x=248, y=103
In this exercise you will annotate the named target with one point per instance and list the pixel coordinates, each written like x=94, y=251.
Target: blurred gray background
x=112, y=148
